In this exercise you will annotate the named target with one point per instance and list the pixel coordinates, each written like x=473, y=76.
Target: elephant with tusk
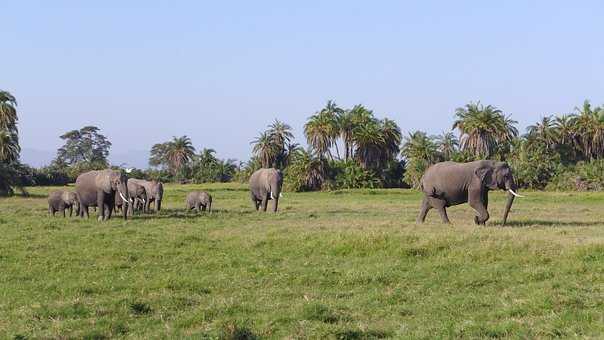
x=154, y=191
x=449, y=183
x=99, y=188
x=265, y=185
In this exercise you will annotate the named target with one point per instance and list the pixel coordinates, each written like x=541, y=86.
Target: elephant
x=154, y=190
x=449, y=183
x=137, y=194
x=98, y=188
x=265, y=185
x=59, y=200
x=199, y=200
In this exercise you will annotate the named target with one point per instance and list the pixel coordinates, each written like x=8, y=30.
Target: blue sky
x=219, y=72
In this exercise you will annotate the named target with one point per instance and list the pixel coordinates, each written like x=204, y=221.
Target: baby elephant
x=199, y=200
x=59, y=200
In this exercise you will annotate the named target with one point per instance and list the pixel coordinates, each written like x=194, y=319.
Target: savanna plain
x=342, y=265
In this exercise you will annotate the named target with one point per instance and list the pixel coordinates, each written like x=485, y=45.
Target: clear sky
x=220, y=71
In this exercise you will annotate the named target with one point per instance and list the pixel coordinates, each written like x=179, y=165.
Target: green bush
x=585, y=176
x=534, y=164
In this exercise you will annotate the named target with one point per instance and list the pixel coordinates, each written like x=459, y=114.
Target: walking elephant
x=98, y=188
x=265, y=185
x=59, y=200
x=448, y=183
x=154, y=191
x=199, y=200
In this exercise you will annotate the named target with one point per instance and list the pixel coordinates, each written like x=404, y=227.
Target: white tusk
x=272, y=197
x=513, y=193
x=144, y=201
x=280, y=194
x=123, y=198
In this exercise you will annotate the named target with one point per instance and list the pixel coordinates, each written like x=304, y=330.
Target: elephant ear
x=485, y=175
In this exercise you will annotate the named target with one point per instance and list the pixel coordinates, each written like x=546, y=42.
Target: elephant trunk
x=511, y=189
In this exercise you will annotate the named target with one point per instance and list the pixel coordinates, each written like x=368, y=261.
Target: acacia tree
x=85, y=148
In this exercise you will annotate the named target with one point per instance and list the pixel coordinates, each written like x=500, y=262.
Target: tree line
x=347, y=148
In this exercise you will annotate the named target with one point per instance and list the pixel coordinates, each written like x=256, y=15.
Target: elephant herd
x=443, y=185
x=111, y=190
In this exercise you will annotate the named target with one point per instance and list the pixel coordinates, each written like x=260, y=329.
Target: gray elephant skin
x=265, y=185
x=59, y=200
x=137, y=195
x=98, y=188
x=199, y=200
x=449, y=183
x=154, y=191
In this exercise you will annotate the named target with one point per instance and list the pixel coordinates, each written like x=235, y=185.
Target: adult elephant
x=265, y=185
x=137, y=194
x=449, y=183
x=154, y=191
x=98, y=188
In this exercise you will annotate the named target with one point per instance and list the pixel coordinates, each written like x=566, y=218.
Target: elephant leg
x=479, y=203
x=203, y=208
x=210, y=208
x=275, y=204
x=423, y=210
x=440, y=205
x=86, y=212
x=264, y=202
x=109, y=211
x=50, y=213
x=70, y=211
x=481, y=210
x=63, y=211
x=100, y=203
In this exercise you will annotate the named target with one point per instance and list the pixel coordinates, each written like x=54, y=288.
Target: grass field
x=345, y=265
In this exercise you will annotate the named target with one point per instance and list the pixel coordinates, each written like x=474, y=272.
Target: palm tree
x=9, y=146
x=369, y=142
x=332, y=112
x=179, y=152
x=265, y=149
x=307, y=170
x=447, y=145
x=346, y=126
x=545, y=132
x=419, y=146
x=484, y=129
x=319, y=131
x=281, y=136
x=392, y=136
x=590, y=130
x=8, y=111
x=420, y=151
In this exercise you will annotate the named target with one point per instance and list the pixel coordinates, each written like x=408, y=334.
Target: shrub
x=585, y=176
x=534, y=164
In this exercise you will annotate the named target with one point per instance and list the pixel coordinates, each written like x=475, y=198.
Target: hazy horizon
x=221, y=72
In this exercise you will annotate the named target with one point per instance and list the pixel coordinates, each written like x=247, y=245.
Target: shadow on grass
x=548, y=223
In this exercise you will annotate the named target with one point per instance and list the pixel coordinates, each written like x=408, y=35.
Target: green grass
x=341, y=265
